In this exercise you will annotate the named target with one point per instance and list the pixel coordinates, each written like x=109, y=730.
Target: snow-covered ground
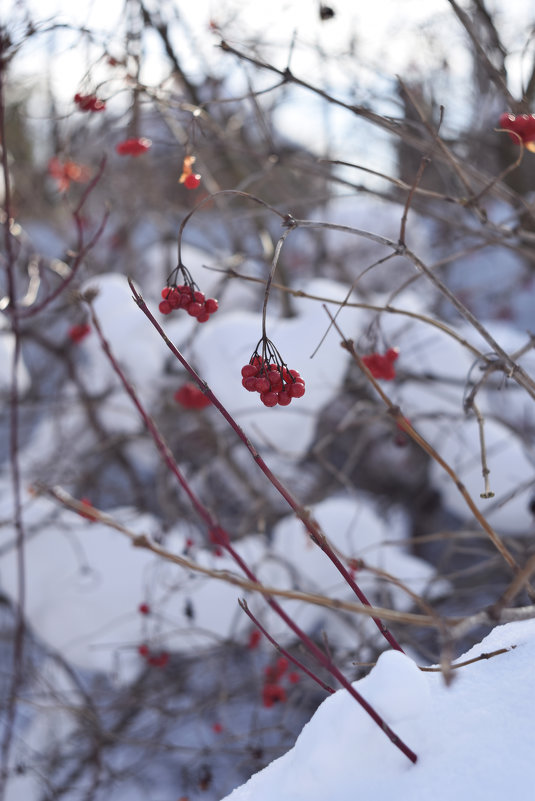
x=472, y=739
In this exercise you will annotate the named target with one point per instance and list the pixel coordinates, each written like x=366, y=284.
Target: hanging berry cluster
x=382, y=365
x=133, y=147
x=268, y=375
x=273, y=692
x=186, y=296
x=89, y=102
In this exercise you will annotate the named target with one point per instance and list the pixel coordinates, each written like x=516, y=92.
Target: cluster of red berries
x=155, y=660
x=268, y=375
x=382, y=365
x=521, y=127
x=185, y=296
x=273, y=692
x=133, y=147
x=89, y=102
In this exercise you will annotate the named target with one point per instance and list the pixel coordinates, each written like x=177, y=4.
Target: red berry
x=79, y=332
x=203, y=317
x=262, y=384
x=217, y=728
x=249, y=383
x=293, y=677
x=133, y=147
x=281, y=667
x=191, y=397
x=192, y=181
x=254, y=639
x=211, y=305
x=194, y=309
x=143, y=609
x=272, y=694
x=199, y=297
x=166, y=292
x=143, y=650
x=284, y=398
x=296, y=390
x=165, y=307
x=269, y=398
x=248, y=370
x=174, y=299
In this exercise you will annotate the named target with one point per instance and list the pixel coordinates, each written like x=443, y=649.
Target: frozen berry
x=165, y=307
x=248, y=369
x=249, y=383
x=194, y=309
x=192, y=181
x=269, y=398
x=296, y=390
x=211, y=305
x=284, y=398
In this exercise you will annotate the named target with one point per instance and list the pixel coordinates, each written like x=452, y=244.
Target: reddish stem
x=218, y=535
x=310, y=524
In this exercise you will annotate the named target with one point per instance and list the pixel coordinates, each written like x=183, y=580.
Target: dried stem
x=404, y=424
x=14, y=404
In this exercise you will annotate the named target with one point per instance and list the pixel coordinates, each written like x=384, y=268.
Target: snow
x=472, y=739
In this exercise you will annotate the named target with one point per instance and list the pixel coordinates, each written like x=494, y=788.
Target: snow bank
x=472, y=739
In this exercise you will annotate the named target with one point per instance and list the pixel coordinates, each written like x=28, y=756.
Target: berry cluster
x=155, y=660
x=521, y=128
x=89, y=102
x=273, y=692
x=382, y=365
x=133, y=147
x=186, y=296
x=268, y=375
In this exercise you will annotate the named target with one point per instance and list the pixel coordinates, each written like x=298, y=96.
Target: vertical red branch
x=14, y=402
x=219, y=536
x=308, y=521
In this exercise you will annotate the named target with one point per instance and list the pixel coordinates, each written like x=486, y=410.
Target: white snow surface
x=472, y=739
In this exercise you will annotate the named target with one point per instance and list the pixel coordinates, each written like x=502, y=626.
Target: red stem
x=310, y=524
x=218, y=535
x=14, y=402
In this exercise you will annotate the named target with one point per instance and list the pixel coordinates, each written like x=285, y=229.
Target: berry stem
x=269, y=281
x=211, y=197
